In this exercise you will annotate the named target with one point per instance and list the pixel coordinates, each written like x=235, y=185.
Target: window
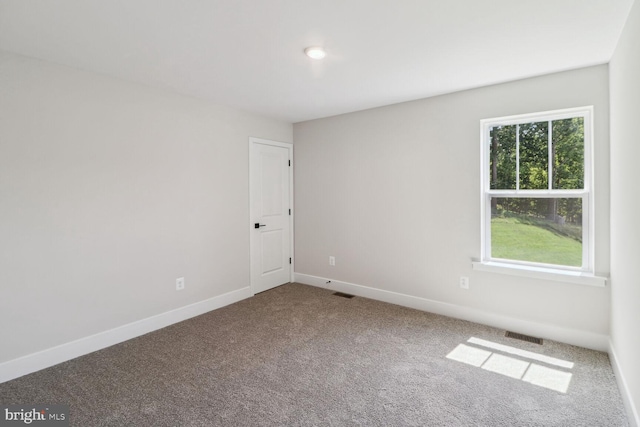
x=537, y=201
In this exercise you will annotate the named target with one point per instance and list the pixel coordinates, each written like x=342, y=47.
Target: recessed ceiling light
x=315, y=52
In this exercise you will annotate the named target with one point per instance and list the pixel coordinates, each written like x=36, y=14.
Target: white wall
x=109, y=191
x=625, y=209
x=393, y=194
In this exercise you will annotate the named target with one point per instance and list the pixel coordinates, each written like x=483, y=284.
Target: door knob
x=258, y=225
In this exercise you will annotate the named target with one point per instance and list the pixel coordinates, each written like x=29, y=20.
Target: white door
x=270, y=211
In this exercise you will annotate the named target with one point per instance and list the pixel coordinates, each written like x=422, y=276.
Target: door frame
x=289, y=146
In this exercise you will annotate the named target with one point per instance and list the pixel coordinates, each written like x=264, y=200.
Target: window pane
x=568, y=154
x=502, y=157
x=534, y=156
x=538, y=230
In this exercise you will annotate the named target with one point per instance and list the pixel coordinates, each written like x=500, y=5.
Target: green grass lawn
x=514, y=239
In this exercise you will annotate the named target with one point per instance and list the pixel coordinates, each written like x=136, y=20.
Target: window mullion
x=550, y=151
x=517, y=156
x=538, y=193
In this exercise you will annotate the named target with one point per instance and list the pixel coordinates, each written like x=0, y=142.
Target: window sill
x=564, y=276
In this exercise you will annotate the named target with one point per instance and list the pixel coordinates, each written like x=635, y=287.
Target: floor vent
x=522, y=337
x=343, y=295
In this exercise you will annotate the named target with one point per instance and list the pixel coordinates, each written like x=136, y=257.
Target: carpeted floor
x=298, y=355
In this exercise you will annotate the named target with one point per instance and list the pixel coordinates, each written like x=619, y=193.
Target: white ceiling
x=248, y=54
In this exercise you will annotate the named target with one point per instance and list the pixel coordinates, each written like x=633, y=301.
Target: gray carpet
x=297, y=355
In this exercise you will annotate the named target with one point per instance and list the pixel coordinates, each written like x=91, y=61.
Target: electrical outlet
x=464, y=282
x=332, y=260
x=179, y=283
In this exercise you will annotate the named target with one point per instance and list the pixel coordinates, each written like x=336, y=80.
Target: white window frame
x=488, y=263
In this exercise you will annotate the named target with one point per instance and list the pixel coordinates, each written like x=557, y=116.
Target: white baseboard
x=576, y=337
x=632, y=411
x=52, y=356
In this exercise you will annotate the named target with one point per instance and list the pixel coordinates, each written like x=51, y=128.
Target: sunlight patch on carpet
x=501, y=360
x=469, y=355
x=522, y=353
